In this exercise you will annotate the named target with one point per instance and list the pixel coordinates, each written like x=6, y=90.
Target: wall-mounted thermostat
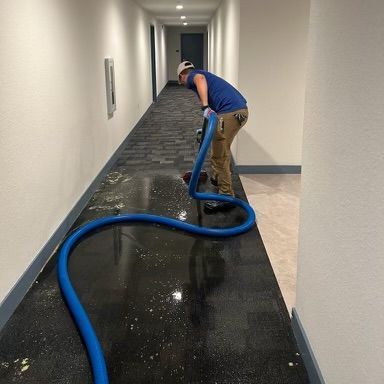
x=110, y=84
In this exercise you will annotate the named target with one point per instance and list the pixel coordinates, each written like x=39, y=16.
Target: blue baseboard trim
x=268, y=169
x=313, y=369
x=17, y=293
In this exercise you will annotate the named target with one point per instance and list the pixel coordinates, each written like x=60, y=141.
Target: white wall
x=223, y=45
x=273, y=37
x=55, y=135
x=161, y=55
x=174, y=47
x=340, y=281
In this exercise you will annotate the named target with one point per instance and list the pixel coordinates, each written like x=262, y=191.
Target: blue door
x=192, y=49
x=153, y=64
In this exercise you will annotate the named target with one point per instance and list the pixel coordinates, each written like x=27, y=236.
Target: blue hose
x=83, y=323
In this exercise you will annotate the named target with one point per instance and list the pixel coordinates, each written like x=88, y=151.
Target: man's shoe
x=214, y=181
x=217, y=206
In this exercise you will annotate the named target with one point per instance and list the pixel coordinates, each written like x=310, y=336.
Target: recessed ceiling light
x=183, y=17
x=179, y=6
x=185, y=23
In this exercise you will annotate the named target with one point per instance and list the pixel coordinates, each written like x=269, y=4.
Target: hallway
x=167, y=307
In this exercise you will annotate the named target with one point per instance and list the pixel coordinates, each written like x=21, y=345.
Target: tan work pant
x=227, y=129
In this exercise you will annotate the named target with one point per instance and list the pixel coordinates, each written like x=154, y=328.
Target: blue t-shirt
x=222, y=96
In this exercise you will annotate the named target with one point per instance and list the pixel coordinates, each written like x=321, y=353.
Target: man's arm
x=202, y=88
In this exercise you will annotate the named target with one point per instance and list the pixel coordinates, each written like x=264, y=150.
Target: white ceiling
x=198, y=12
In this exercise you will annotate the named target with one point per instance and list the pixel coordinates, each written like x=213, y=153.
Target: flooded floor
x=168, y=307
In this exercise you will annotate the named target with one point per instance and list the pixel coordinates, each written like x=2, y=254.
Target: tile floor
x=275, y=199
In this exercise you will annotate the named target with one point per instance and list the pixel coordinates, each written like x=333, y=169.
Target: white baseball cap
x=184, y=65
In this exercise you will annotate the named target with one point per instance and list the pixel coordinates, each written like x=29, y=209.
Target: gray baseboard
x=305, y=349
x=17, y=293
x=268, y=169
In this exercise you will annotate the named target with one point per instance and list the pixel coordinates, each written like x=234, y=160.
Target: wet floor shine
x=167, y=306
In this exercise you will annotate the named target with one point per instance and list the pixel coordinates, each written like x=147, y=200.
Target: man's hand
x=207, y=112
x=199, y=134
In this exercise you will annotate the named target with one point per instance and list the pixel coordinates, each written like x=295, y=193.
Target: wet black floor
x=168, y=307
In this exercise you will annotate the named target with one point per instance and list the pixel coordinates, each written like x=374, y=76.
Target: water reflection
x=206, y=272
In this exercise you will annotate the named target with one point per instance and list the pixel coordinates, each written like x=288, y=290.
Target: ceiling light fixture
x=179, y=6
x=183, y=17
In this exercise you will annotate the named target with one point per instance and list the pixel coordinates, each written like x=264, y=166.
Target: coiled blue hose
x=83, y=323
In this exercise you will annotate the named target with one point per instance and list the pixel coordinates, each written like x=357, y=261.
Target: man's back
x=222, y=96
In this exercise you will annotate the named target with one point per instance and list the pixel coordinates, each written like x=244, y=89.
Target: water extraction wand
x=200, y=134
x=95, y=353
